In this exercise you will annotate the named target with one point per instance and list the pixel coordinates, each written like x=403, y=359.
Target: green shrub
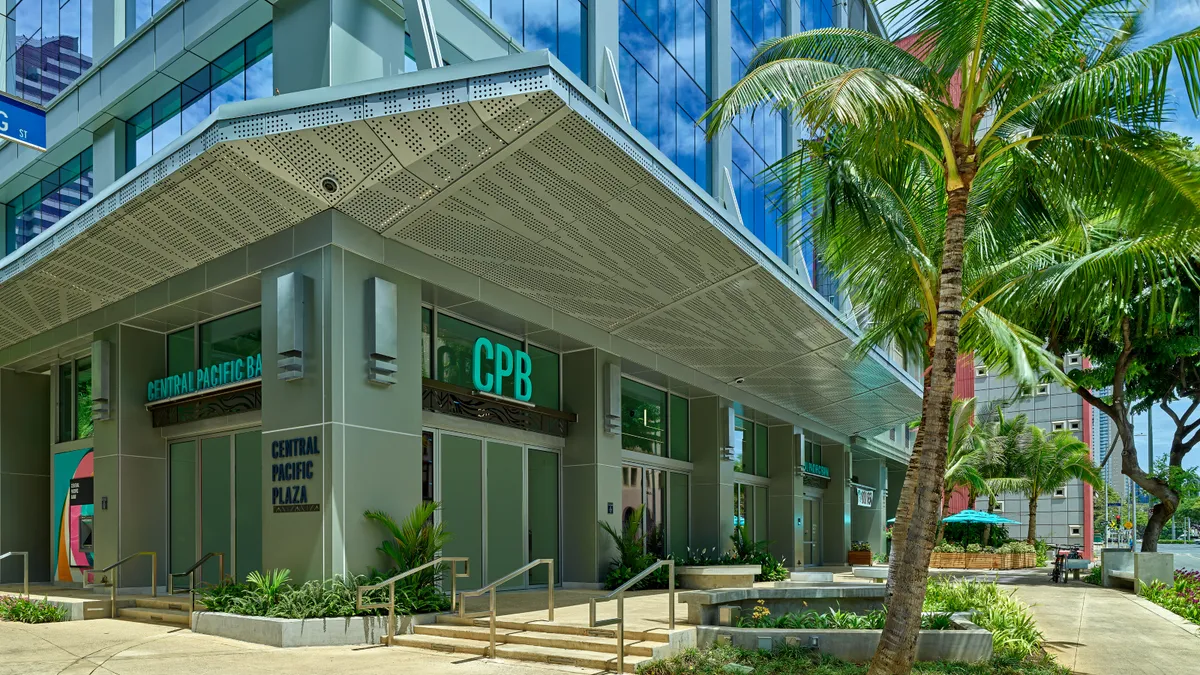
x=860, y=546
x=1014, y=632
x=974, y=548
x=833, y=620
x=1181, y=597
x=1017, y=547
x=28, y=610
x=972, y=533
x=1041, y=549
x=1094, y=576
x=947, y=547
x=265, y=595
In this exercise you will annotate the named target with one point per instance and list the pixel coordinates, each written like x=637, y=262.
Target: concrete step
x=170, y=617
x=179, y=604
x=534, y=653
x=541, y=639
x=559, y=628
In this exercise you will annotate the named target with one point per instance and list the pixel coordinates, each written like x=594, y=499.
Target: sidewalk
x=1102, y=631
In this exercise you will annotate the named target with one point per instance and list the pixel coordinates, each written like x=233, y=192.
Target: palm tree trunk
x=1031, y=534
x=987, y=529
x=917, y=515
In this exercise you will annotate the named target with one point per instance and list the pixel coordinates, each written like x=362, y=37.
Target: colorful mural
x=73, y=512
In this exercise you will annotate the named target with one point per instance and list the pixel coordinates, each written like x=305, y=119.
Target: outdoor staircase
x=561, y=644
x=161, y=611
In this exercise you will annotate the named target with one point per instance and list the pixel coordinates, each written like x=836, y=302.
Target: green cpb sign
x=216, y=375
x=491, y=363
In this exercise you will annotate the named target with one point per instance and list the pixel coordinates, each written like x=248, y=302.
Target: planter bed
x=967, y=642
x=704, y=607
x=981, y=561
x=707, y=577
x=332, y=631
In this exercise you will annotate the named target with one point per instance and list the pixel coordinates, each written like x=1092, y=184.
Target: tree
x=1048, y=463
x=1002, y=104
x=1007, y=438
x=965, y=454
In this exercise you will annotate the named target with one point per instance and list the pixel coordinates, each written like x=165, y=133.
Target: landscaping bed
x=30, y=610
x=1182, y=597
x=322, y=632
x=1013, y=555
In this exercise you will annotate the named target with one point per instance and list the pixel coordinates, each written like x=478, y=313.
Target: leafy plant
x=268, y=586
x=860, y=546
x=1014, y=632
x=974, y=548
x=1181, y=597
x=1041, y=552
x=29, y=610
x=631, y=545
x=414, y=542
x=834, y=619
x=1094, y=576
x=315, y=599
x=947, y=547
x=749, y=552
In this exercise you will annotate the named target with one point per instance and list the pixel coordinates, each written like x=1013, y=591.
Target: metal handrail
x=490, y=589
x=25, y=555
x=619, y=594
x=113, y=584
x=190, y=573
x=390, y=605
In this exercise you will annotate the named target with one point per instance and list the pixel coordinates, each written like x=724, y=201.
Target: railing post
x=154, y=574
x=621, y=632
x=550, y=586
x=492, y=623
x=453, y=583
x=391, y=612
x=671, y=594
x=113, y=592
x=25, y=557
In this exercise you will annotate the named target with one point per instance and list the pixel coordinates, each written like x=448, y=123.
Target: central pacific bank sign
x=492, y=363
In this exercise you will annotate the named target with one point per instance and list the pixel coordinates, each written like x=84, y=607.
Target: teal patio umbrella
x=973, y=516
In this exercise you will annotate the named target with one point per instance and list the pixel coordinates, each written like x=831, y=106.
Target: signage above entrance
x=493, y=362
x=216, y=375
x=866, y=496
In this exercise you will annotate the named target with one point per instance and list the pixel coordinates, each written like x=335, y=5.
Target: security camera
x=739, y=380
x=329, y=184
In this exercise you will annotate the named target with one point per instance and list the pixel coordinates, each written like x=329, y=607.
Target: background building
x=248, y=283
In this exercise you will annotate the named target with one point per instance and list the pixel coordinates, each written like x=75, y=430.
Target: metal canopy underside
x=508, y=169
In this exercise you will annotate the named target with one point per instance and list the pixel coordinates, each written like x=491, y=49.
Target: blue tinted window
x=664, y=74
x=49, y=45
x=757, y=138
x=557, y=25
x=816, y=14
x=144, y=9
x=243, y=73
x=49, y=200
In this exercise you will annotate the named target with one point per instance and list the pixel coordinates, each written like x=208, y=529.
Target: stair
x=560, y=644
x=157, y=611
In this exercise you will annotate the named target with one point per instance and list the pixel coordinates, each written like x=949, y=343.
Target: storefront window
x=232, y=337
x=643, y=417
x=454, y=354
x=181, y=351
x=75, y=400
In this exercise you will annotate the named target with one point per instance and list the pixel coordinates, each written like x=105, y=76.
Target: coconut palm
x=1007, y=438
x=1048, y=462
x=965, y=455
x=1007, y=105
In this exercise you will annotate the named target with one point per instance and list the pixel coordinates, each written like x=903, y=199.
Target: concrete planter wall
x=968, y=643
x=981, y=561
x=706, y=577
x=335, y=631
x=704, y=607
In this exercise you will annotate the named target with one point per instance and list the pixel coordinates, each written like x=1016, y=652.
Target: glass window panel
x=49, y=200
x=541, y=25
x=259, y=45
x=656, y=512
x=231, y=90
x=83, y=397
x=426, y=340
x=760, y=450
x=545, y=377
x=181, y=351
x=183, y=505
x=677, y=515
x=743, y=447
x=195, y=112
x=427, y=493
x=85, y=33
x=66, y=403
x=233, y=337
x=260, y=78
x=643, y=417
x=678, y=435
x=572, y=35
x=196, y=86
x=141, y=12
x=249, y=494
x=166, y=132
x=455, y=347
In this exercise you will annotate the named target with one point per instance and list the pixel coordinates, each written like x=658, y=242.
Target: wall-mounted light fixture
x=290, y=317
x=612, y=398
x=381, y=331
x=101, y=380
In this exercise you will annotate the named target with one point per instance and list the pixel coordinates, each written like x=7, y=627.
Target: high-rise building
x=285, y=261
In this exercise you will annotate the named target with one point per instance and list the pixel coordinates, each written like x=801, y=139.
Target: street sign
x=22, y=122
x=1113, y=505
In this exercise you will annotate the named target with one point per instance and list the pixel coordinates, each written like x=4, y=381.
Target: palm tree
x=1007, y=438
x=1048, y=463
x=964, y=457
x=1005, y=104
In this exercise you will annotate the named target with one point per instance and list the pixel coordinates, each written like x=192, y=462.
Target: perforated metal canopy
x=510, y=169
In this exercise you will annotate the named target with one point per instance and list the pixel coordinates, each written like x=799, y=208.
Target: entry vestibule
x=500, y=501
x=216, y=502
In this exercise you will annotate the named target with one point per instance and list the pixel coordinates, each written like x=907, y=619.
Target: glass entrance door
x=501, y=504
x=663, y=496
x=216, y=503
x=812, y=541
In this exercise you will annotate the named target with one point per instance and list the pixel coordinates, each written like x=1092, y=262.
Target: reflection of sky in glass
x=757, y=138
x=664, y=75
x=557, y=25
x=228, y=79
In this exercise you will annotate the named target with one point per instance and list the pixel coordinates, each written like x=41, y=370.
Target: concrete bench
x=1121, y=566
x=1075, y=566
x=878, y=574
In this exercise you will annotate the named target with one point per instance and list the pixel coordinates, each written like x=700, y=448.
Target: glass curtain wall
x=48, y=201
x=664, y=75
x=48, y=46
x=241, y=74
x=653, y=422
x=142, y=10
x=557, y=25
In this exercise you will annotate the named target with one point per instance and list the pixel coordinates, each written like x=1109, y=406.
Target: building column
x=25, y=474
x=785, y=511
x=129, y=458
x=591, y=465
x=322, y=43
x=712, y=476
x=108, y=26
x=327, y=323
x=108, y=154
x=868, y=522
x=603, y=34
x=835, y=505
x=720, y=80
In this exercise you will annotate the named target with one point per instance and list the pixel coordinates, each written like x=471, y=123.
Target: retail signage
x=291, y=477
x=22, y=122
x=866, y=496
x=216, y=375
x=492, y=363
x=816, y=469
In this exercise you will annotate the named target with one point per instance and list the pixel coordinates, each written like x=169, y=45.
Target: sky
x=1163, y=19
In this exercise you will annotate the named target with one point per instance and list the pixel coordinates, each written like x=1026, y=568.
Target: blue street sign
x=22, y=122
x=1112, y=504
